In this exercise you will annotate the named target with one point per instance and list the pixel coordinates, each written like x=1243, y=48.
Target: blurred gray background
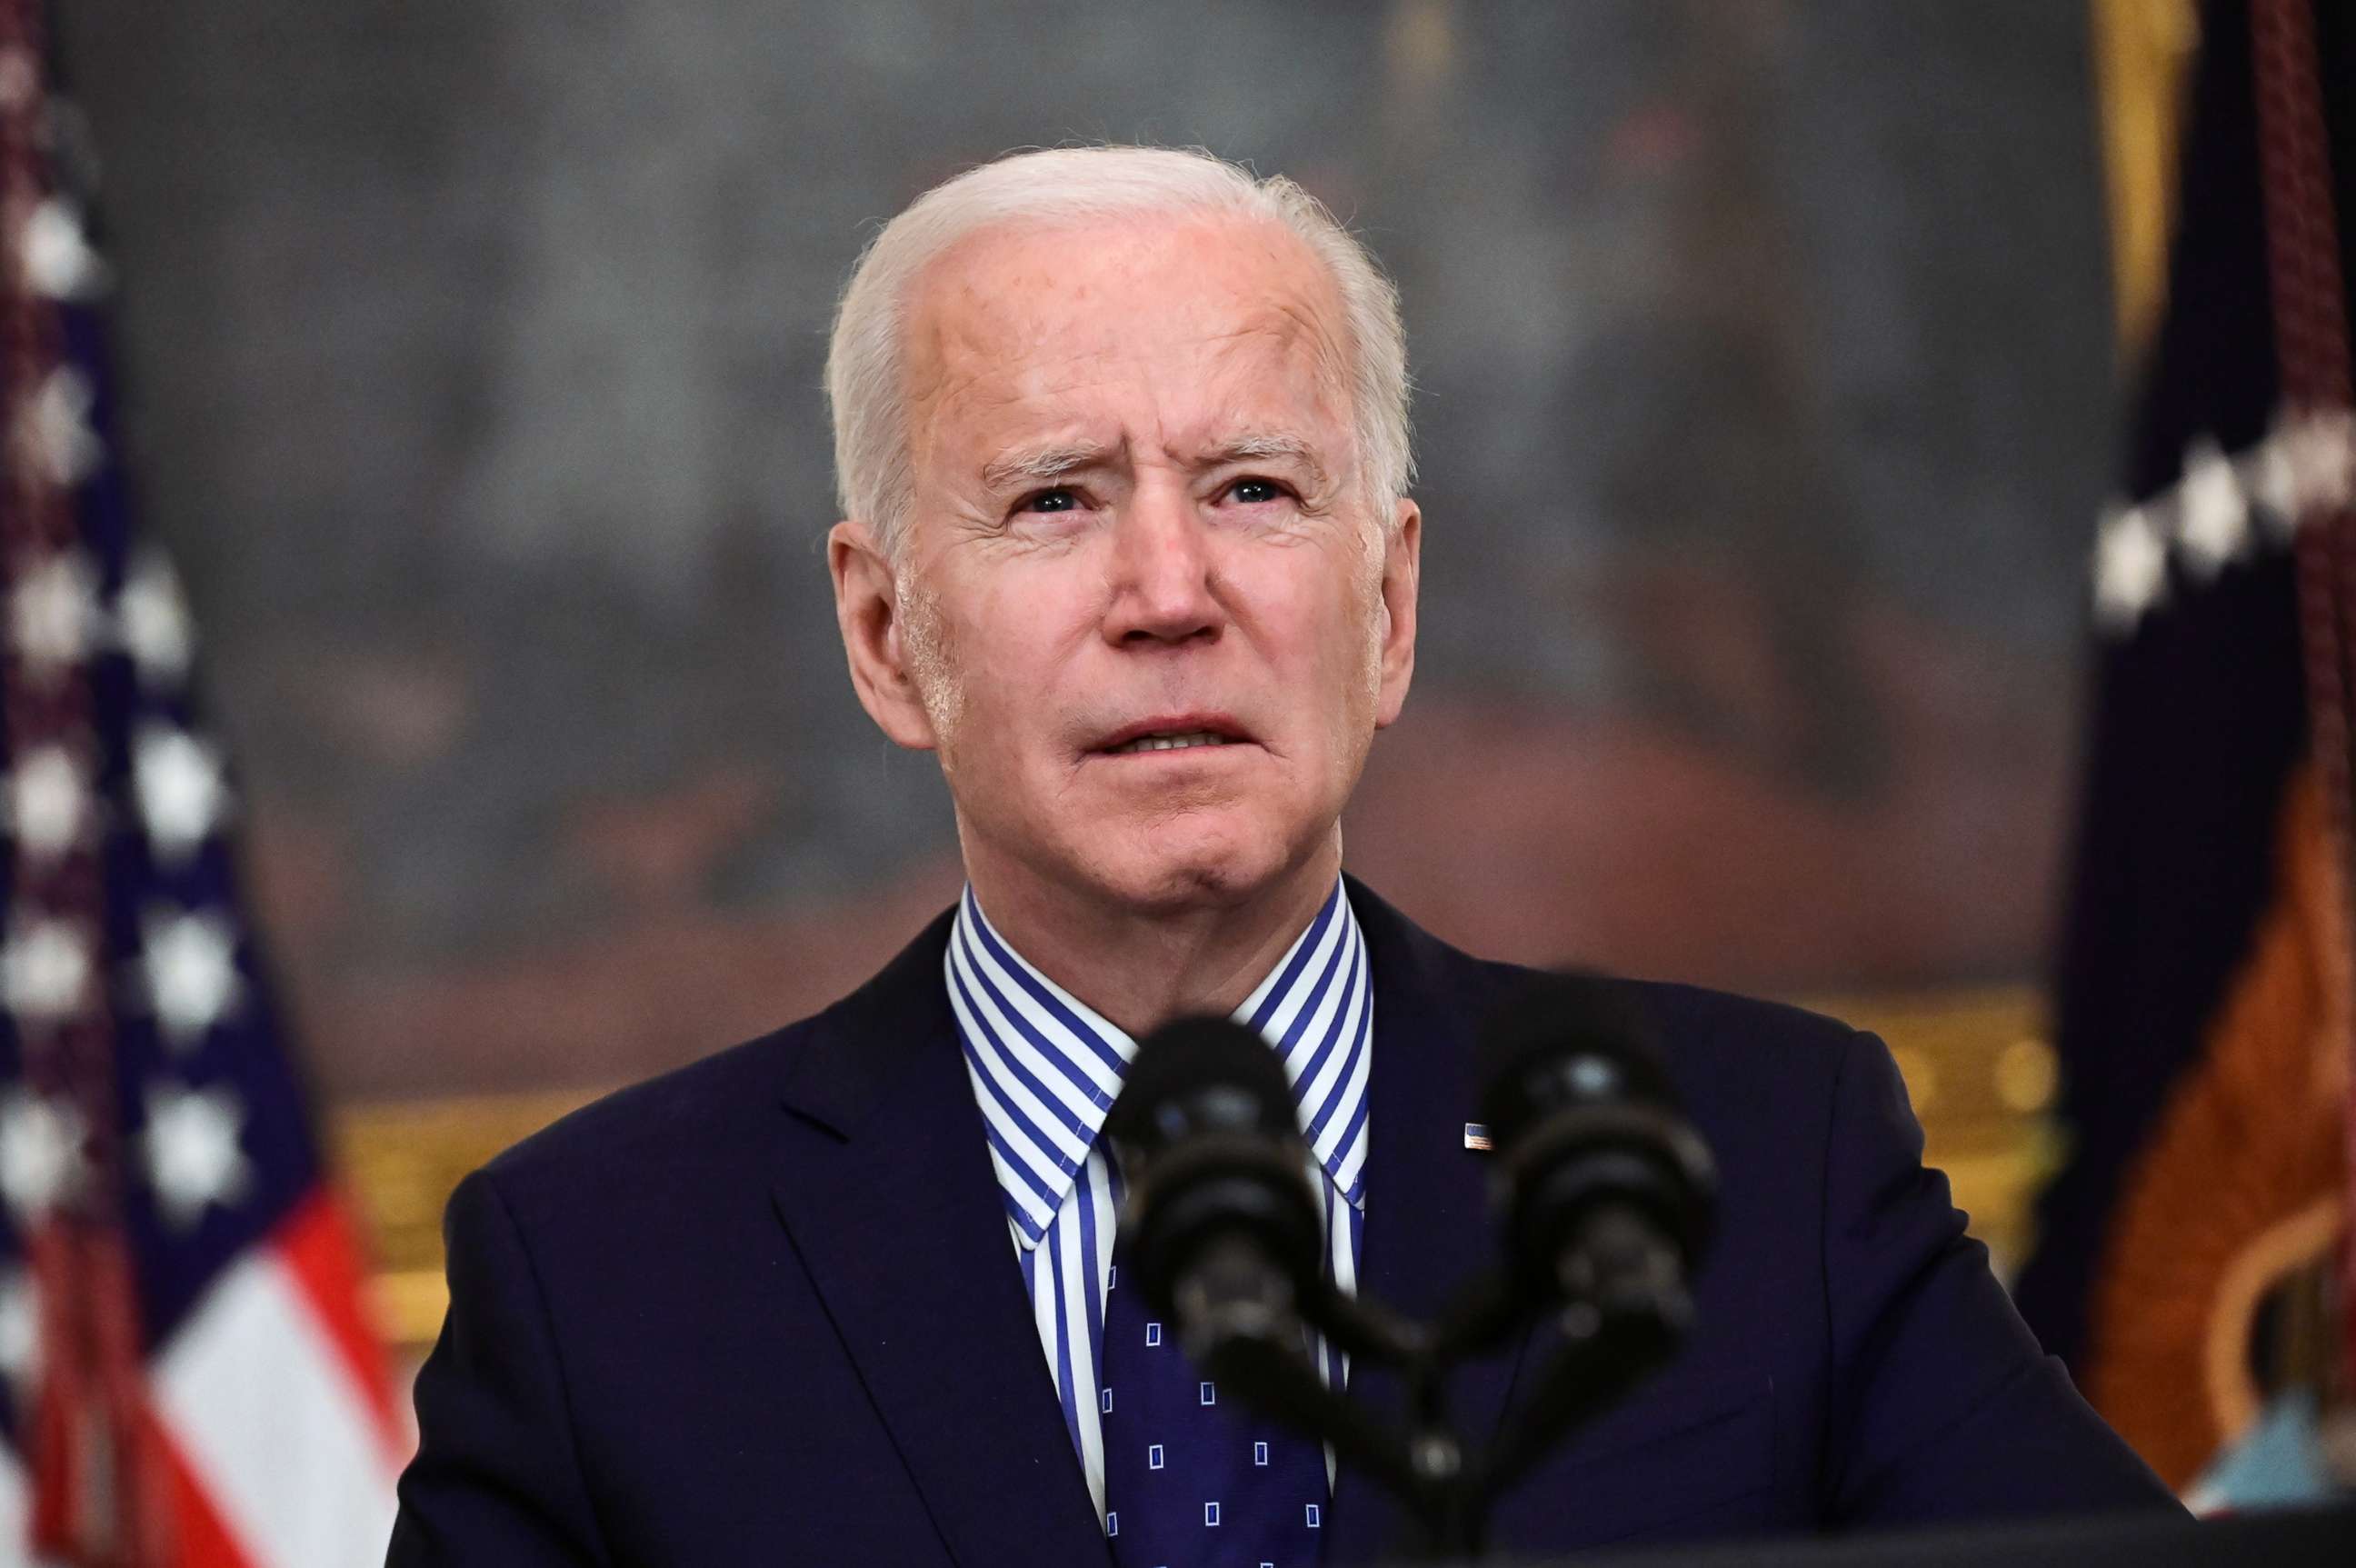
x=1765, y=402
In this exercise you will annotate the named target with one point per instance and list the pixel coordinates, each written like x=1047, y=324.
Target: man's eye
x=1057, y=500
x=1255, y=492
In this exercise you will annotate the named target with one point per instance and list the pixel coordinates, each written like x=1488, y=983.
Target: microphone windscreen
x=1197, y=1075
x=1210, y=1150
x=1564, y=1039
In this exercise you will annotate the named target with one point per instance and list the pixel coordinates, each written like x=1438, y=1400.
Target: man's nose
x=1163, y=584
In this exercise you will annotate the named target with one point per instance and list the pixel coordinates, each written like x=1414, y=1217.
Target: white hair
x=865, y=394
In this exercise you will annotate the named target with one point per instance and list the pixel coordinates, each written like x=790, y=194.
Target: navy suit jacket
x=764, y=1309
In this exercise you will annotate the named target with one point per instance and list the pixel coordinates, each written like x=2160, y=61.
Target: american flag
x=185, y=1374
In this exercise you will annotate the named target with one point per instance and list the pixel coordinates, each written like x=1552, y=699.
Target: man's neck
x=1140, y=967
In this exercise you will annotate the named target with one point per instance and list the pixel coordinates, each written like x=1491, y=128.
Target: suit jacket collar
x=885, y=1186
x=861, y=1048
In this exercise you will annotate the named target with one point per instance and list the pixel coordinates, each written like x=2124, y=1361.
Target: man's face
x=1145, y=608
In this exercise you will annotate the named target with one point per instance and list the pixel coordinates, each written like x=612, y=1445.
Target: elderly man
x=1121, y=436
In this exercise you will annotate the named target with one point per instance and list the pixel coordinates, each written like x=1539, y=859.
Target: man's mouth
x=1168, y=742
x=1173, y=732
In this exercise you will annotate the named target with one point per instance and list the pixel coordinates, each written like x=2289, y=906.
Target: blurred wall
x=1765, y=404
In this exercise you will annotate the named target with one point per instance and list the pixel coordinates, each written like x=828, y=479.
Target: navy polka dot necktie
x=1192, y=1477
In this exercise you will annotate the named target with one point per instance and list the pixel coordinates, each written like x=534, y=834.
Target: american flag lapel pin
x=1476, y=1137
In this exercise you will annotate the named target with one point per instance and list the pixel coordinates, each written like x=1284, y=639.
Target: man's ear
x=1402, y=566
x=867, y=610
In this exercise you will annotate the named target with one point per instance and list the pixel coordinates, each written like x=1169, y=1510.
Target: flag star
x=181, y=795
x=2320, y=454
x=191, y=1144
x=192, y=979
x=40, y=1153
x=45, y=969
x=151, y=616
x=2130, y=569
x=2274, y=485
x=55, y=253
x=59, y=428
x=53, y=609
x=20, y=1326
x=2214, y=523
x=48, y=800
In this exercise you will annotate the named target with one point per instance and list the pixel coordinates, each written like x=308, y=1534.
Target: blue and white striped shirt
x=1046, y=1067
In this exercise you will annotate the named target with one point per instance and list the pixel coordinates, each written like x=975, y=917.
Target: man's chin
x=1168, y=873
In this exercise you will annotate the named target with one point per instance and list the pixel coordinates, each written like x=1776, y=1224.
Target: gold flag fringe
x=2240, y=1187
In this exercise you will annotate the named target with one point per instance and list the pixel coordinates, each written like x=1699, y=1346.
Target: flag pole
x=98, y=1479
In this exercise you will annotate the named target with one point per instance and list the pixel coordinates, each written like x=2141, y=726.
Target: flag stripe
x=318, y=1245
x=16, y=1500
x=256, y=1396
x=200, y=1536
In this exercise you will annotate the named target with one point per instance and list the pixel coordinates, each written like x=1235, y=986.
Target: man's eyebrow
x=1039, y=465
x=1046, y=464
x=1264, y=447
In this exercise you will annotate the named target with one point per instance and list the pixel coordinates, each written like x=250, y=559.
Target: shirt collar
x=1045, y=1065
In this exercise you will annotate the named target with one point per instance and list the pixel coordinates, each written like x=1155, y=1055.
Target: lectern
x=2306, y=1537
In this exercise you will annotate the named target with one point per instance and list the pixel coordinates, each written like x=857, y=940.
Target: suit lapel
x=887, y=1190
x=1428, y=1225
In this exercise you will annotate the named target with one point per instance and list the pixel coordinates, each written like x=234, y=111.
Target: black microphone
x=1219, y=1226
x=1608, y=1193
x=1608, y=1196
